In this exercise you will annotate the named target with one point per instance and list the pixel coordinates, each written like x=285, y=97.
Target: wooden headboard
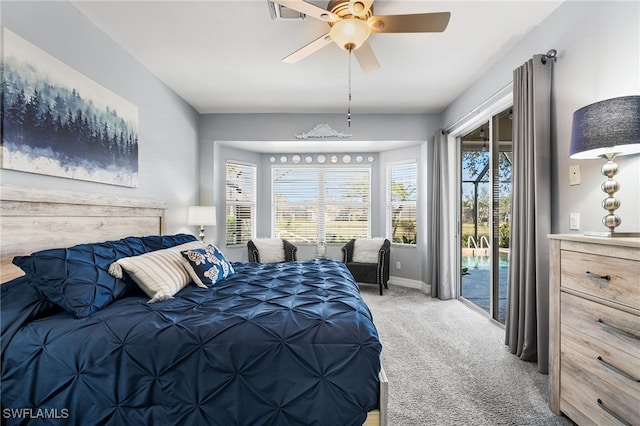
x=33, y=219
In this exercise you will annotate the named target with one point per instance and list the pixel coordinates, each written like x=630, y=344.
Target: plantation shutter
x=402, y=202
x=240, y=202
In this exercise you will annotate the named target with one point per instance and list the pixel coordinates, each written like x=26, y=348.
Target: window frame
x=252, y=203
x=390, y=203
x=321, y=203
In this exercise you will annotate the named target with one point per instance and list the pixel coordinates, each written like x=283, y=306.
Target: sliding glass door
x=485, y=202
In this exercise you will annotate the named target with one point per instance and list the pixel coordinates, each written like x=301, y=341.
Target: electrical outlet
x=574, y=221
x=398, y=265
x=574, y=175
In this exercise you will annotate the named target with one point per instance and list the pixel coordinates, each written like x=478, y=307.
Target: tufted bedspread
x=275, y=344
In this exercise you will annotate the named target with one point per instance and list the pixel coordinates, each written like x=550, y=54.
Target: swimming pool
x=475, y=282
x=483, y=262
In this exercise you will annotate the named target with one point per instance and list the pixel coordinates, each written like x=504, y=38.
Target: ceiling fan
x=352, y=21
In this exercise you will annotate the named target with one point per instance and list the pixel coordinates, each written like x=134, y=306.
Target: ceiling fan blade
x=309, y=10
x=366, y=58
x=359, y=7
x=415, y=23
x=307, y=50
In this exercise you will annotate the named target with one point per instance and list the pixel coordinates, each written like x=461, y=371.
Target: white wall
x=599, y=58
x=168, y=126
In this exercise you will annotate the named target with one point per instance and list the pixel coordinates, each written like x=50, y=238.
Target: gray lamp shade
x=607, y=127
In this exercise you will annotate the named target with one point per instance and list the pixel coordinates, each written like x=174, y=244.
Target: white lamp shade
x=350, y=33
x=202, y=215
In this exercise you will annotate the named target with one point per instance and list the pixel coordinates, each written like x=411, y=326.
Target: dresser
x=594, y=329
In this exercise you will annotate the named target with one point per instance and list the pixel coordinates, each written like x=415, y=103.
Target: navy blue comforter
x=274, y=344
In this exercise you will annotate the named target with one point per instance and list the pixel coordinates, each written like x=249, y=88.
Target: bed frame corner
x=379, y=417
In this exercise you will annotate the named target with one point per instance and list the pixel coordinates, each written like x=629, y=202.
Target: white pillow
x=271, y=250
x=160, y=274
x=366, y=250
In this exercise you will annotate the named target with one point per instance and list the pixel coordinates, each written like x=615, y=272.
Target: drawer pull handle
x=616, y=330
x=602, y=277
x=612, y=413
x=617, y=370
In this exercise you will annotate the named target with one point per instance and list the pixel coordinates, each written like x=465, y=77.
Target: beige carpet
x=447, y=365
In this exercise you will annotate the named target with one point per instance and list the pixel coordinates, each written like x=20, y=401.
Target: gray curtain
x=442, y=208
x=527, y=322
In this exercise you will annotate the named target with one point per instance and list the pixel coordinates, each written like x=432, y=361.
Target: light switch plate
x=574, y=221
x=574, y=175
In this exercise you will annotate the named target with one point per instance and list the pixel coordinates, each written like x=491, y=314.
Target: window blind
x=347, y=204
x=321, y=204
x=402, y=202
x=240, y=202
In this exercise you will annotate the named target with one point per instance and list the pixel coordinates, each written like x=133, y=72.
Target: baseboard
x=406, y=282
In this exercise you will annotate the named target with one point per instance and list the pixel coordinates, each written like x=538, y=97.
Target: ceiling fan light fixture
x=350, y=33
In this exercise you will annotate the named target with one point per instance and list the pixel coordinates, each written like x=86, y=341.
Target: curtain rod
x=551, y=54
x=476, y=110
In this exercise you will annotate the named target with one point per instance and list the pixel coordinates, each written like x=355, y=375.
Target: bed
x=289, y=343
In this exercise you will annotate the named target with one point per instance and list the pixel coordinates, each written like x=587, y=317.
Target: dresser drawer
x=590, y=401
x=618, y=371
x=617, y=329
x=585, y=272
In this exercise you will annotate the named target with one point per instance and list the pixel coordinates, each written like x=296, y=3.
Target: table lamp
x=202, y=216
x=607, y=129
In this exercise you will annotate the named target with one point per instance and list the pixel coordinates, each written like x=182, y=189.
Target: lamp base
x=609, y=234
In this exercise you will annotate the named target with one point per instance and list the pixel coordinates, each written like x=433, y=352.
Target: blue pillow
x=159, y=242
x=22, y=302
x=206, y=266
x=77, y=278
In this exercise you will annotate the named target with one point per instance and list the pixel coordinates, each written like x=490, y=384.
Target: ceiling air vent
x=281, y=12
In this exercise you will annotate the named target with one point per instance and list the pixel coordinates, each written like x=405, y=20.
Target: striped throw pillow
x=160, y=274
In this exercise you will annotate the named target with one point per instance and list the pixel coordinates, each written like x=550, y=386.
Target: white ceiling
x=225, y=56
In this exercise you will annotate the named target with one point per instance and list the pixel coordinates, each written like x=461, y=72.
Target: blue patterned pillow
x=207, y=266
x=77, y=278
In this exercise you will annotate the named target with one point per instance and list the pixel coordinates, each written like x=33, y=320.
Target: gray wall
x=283, y=127
x=219, y=131
x=599, y=58
x=168, y=126
x=409, y=257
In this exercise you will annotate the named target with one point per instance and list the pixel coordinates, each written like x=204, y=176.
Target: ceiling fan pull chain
x=349, y=105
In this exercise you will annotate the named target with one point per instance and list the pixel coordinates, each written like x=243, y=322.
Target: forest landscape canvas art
x=58, y=122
